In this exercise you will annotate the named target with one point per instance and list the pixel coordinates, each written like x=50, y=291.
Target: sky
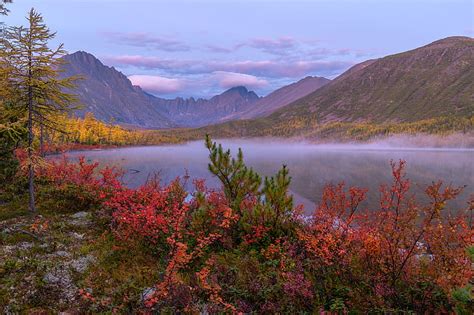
x=200, y=48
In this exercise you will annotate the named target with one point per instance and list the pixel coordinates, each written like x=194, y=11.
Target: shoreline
x=455, y=142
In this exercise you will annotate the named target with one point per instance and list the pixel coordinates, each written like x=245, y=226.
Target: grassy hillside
x=306, y=128
x=426, y=90
x=431, y=81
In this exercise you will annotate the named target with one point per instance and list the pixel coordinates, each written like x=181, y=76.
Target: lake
x=311, y=166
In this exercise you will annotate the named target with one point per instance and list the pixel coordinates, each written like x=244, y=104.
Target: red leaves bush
x=65, y=185
x=260, y=255
x=149, y=213
x=405, y=254
x=401, y=256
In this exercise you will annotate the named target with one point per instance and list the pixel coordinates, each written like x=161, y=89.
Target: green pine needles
x=271, y=201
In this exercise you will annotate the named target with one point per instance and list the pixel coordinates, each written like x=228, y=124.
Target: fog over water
x=311, y=166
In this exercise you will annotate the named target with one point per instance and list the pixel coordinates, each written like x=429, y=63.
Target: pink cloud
x=261, y=68
x=231, y=79
x=146, y=40
x=219, y=49
x=157, y=84
x=279, y=46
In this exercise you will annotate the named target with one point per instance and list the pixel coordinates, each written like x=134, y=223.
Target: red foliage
x=161, y=216
x=149, y=212
x=397, y=246
x=382, y=255
x=63, y=171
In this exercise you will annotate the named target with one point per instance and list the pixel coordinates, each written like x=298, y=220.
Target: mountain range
x=111, y=97
x=430, y=81
x=436, y=80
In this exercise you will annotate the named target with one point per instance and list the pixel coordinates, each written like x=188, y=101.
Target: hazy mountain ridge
x=192, y=113
x=428, y=90
x=282, y=97
x=432, y=81
x=427, y=82
x=111, y=96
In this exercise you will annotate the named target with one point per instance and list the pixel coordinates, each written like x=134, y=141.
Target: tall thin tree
x=35, y=76
x=3, y=8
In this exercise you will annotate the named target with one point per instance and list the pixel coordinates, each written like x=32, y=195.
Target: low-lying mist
x=311, y=166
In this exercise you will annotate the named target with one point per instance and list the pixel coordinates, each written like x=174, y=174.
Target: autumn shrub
x=70, y=186
x=401, y=256
x=247, y=248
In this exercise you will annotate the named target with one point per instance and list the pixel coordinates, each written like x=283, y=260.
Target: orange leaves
x=212, y=288
x=329, y=235
x=164, y=218
x=397, y=247
x=39, y=226
x=405, y=255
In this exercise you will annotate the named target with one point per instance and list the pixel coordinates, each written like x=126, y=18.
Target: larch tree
x=38, y=91
x=3, y=8
x=12, y=122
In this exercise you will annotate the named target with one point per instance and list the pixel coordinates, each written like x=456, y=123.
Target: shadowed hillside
x=429, y=89
x=431, y=81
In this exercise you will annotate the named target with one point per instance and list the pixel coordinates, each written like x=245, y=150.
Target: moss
x=13, y=238
x=12, y=210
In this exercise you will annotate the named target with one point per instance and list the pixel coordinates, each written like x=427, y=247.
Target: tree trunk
x=31, y=172
x=41, y=137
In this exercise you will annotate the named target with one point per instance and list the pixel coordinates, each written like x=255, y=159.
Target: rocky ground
x=43, y=260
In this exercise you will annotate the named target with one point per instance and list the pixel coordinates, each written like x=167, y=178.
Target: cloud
x=279, y=46
x=158, y=84
x=210, y=84
x=146, y=40
x=219, y=49
x=262, y=68
x=145, y=62
x=282, y=68
x=231, y=79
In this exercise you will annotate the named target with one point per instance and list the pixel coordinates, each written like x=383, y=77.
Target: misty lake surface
x=311, y=166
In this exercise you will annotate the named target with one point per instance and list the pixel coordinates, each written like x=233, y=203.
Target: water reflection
x=311, y=166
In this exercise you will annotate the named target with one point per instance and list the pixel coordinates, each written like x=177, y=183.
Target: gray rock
x=15, y=248
x=77, y=235
x=60, y=277
x=80, y=215
x=82, y=263
x=61, y=253
x=80, y=218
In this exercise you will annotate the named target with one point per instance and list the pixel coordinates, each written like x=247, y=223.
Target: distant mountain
x=111, y=96
x=193, y=113
x=282, y=97
x=427, y=82
x=434, y=82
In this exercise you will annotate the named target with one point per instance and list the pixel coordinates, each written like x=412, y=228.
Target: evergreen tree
x=12, y=123
x=238, y=180
x=34, y=76
x=273, y=206
x=3, y=8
